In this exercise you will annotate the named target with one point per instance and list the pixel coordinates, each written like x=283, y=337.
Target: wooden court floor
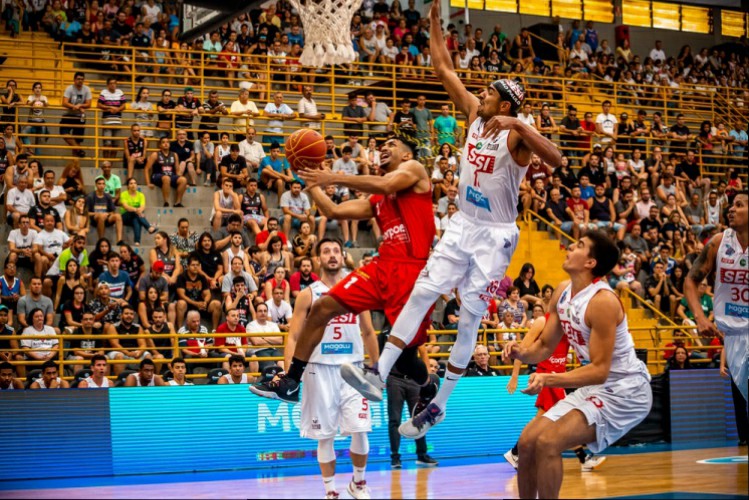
x=632, y=474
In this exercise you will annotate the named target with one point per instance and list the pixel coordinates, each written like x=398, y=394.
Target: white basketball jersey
x=92, y=384
x=229, y=380
x=489, y=178
x=151, y=383
x=571, y=312
x=342, y=341
x=731, y=299
x=43, y=385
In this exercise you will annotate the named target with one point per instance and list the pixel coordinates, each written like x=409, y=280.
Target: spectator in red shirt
x=580, y=212
x=261, y=240
x=303, y=278
x=589, y=129
x=228, y=346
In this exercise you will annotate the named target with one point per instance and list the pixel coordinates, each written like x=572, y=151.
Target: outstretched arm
x=466, y=102
x=405, y=177
x=357, y=209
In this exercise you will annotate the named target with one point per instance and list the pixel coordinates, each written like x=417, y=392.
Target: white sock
x=388, y=357
x=448, y=384
x=359, y=474
x=329, y=483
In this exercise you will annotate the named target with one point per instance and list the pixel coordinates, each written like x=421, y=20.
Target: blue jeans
x=138, y=223
x=40, y=129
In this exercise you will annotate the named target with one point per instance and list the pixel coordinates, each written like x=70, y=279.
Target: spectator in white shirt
x=21, y=243
x=277, y=111
x=657, y=54
x=251, y=149
x=19, y=201
x=527, y=115
x=606, y=124
x=262, y=325
x=308, y=109
x=243, y=110
x=48, y=245
x=57, y=193
x=279, y=311
x=345, y=166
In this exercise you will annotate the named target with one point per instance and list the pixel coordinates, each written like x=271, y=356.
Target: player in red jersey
x=549, y=396
x=401, y=204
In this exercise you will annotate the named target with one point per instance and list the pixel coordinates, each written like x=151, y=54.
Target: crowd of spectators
x=636, y=177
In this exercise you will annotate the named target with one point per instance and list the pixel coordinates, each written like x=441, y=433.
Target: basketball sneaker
x=332, y=495
x=426, y=461
x=358, y=490
x=512, y=459
x=419, y=425
x=365, y=380
x=284, y=389
x=592, y=462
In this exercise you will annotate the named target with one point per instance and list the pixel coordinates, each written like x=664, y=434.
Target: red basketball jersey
x=407, y=224
x=557, y=362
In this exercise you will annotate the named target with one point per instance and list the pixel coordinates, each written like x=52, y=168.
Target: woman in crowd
x=145, y=112
x=277, y=280
x=97, y=259
x=274, y=257
x=529, y=290
x=133, y=210
x=446, y=151
x=36, y=127
x=303, y=243
x=679, y=360
x=146, y=307
x=77, y=220
x=164, y=251
x=67, y=283
x=72, y=310
x=133, y=265
x=513, y=304
x=71, y=180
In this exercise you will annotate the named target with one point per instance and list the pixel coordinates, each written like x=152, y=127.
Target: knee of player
x=549, y=442
x=359, y=443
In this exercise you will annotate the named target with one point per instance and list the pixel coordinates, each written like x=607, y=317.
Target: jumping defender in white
x=328, y=403
x=476, y=249
x=613, y=389
x=727, y=254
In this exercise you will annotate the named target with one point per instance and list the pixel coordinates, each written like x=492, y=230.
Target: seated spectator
x=191, y=341
x=277, y=280
x=133, y=210
x=125, y=348
x=77, y=219
x=225, y=203
x=233, y=167
x=102, y=210
x=685, y=314
x=21, y=243
x=279, y=309
x=146, y=376
x=251, y=150
x=106, y=309
x=44, y=347
x=516, y=306
x=559, y=213
x=161, y=170
x=205, y=152
x=48, y=245
x=304, y=243
x=134, y=266
x=236, y=373
x=254, y=208
x=479, y=367
x=35, y=300
x=211, y=262
x=579, y=212
x=18, y=202
x=113, y=182
x=120, y=285
x=11, y=288
x=276, y=256
x=98, y=378
x=183, y=241
x=66, y=298
x=50, y=378
x=527, y=287
x=262, y=239
x=178, y=367
x=602, y=212
x=159, y=347
x=71, y=180
x=623, y=275
x=275, y=171
x=237, y=270
x=263, y=326
x=239, y=300
x=679, y=360
x=324, y=223
x=185, y=166
x=7, y=377
x=194, y=294
x=658, y=288
x=85, y=349
x=43, y=207
x=303, y=278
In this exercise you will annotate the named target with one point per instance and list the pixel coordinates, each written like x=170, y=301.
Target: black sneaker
x=283, y=389
x=426, y=461
x=395, y=463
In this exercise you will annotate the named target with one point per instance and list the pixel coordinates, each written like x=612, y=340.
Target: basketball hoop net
x=327, y=31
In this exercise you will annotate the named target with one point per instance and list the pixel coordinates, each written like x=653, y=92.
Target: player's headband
x=510, y=91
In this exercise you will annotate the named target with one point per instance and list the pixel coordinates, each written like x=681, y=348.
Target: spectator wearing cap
x=275, y=171
x=155, y=279
x=276, y=112
x=187, y=109
x=102, y=210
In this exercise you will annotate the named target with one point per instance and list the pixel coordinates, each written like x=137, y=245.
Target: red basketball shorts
x=382, y=285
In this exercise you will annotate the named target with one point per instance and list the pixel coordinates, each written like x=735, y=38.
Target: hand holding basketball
x=305, y=149
x=313, y=177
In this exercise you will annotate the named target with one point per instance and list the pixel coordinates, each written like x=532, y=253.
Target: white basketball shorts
x=614, y=408
x=737, y=358
x=472, y=257
x=330, y=404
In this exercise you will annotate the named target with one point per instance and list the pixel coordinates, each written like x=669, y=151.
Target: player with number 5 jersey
x=401, y=203
x=727, y=255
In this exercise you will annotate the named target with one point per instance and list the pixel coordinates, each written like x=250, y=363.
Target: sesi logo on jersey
x=734, y=276
x=344, y=319
x=483, y=164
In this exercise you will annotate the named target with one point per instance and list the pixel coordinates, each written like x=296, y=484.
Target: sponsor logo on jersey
x=337, y=348
x=476, y=197
x=742, y=262
x=730, y=251
x=737, y=311
x=484, y=164
x=723, y=260
x=344, y=319
x=396, y=233
x=734, y=276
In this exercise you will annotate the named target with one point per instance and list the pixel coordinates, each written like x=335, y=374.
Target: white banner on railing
x=193, y=16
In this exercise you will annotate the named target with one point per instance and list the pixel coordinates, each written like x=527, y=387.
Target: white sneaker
x=592, y=462
x=333, y=495
x=365, y=380
x=512, y=459
x=419, y=425
x=358, y=490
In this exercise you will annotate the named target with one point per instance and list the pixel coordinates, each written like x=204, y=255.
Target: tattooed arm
x=701, y=269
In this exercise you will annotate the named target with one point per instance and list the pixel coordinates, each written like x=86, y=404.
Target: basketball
x=305, y=148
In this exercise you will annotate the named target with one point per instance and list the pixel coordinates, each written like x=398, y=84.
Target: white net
x=327, y=31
